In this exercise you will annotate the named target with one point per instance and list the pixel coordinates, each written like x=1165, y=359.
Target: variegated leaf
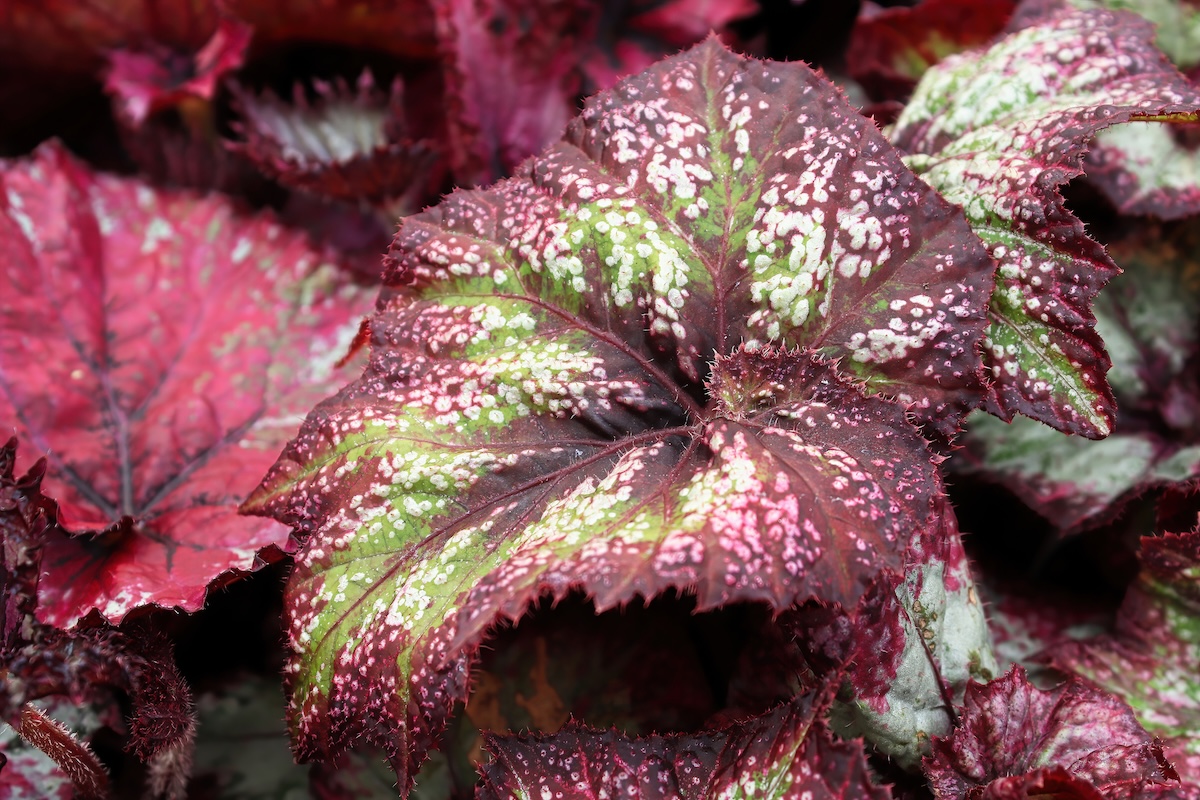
x=582, y=378
x=1146, y=317
x=1016, y=740
x=1144, y=168
x=998, y=132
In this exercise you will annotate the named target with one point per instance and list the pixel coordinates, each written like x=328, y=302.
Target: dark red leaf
x=159, y=349
x=74, y=35
x=1150, y=659
x=403, y=29
x=1014, y=740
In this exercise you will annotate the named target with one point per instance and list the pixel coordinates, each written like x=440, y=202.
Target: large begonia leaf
x=589, y=376
x=1150, y=659
x=1149, y=168
x=890, y=48
x=1014, y=740
x=515, y=69
x=998, y=132
x=159, y=349
x=786, y=753
x=1147, y=318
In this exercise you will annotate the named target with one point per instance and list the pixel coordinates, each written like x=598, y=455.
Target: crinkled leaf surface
x=1150, y=659
x=998, y=132
x=159, y=349
x=543, y=408
x=1014, y=735
x=784, y=754
x=890, y=48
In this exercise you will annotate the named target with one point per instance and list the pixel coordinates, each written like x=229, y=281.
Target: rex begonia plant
x=632, y=480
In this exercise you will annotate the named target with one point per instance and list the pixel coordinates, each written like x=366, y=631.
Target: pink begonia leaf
x=515, y=69
x=593, y=376
x=347, y=144
x=159, y=349
x=890, y=48
x=786, y=753
x=1013, y=737
x=998, y=132
x=1150, y=658
x=1148, y=168
x=144, y=81
x=74, y=36
x=1146, y=317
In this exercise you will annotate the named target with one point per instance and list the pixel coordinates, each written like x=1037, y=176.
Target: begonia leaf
x=184, y=343
x=347, y=144
x=591, y=376
x=998, y=132
x=1074, y=483
x=783, y=754
x=1014, y=739
x=144, y=81
x=1146, y=317
x=1150, y=659
x=40, y=661
x=913, y=650
x=892, y=47
x=1148, y=168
